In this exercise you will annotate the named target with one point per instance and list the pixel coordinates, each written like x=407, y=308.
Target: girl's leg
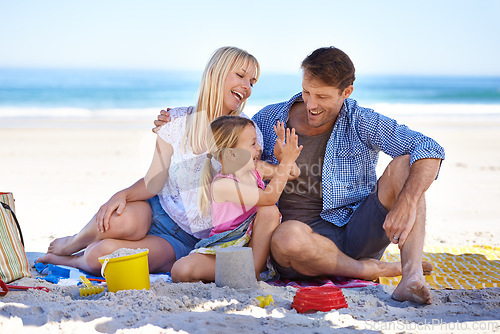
x=266, y=221
x=132, y=224
x=160, y=258
x=194, y=268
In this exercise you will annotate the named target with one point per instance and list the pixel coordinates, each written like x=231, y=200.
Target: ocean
x=90, y=93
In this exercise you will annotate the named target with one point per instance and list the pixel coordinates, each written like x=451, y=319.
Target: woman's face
x=238, y=87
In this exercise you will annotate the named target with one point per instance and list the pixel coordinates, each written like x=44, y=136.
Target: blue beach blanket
x=55, y=273
x=64, y=275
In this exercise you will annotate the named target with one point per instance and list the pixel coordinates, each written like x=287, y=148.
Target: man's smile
x=315, y=112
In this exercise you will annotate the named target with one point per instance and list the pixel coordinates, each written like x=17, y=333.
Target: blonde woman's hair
x=223, y=134
x=211, y=94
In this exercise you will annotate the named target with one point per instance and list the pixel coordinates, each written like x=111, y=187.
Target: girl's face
x=247, y=148
x=238, y=87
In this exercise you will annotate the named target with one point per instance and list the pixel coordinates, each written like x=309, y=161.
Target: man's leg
x=412, y=286
x=295, y=245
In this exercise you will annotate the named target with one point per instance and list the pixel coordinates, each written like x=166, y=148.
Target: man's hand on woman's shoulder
x=162, y=119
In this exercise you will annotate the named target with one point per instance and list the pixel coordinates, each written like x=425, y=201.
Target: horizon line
x=269, y=72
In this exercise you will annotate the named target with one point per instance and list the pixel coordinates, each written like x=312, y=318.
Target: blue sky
x=382, y=37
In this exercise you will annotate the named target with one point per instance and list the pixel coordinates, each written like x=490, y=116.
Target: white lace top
x=179, y=196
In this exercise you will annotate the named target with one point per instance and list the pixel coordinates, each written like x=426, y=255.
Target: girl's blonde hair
x=211, y=94
x=224, y=134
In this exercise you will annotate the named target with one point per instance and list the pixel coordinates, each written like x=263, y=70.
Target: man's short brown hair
x=330, y=65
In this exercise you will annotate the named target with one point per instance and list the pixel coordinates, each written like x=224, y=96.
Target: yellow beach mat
x=462, y=267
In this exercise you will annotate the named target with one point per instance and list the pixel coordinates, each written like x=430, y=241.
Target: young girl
x=237, y=193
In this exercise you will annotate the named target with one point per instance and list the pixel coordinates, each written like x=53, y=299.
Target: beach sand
x=61, y=172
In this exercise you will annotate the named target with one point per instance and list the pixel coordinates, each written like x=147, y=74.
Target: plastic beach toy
x=265, y=301
x=89, y=289
x=129, y=272
x=4, y=288
x=318, y=298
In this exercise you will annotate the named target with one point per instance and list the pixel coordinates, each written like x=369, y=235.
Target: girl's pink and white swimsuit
x=228, y=215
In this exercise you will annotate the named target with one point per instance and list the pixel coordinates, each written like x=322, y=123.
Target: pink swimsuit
x=228, y=215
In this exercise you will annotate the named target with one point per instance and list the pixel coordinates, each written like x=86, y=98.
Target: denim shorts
x=362, y=237
x=163, y=226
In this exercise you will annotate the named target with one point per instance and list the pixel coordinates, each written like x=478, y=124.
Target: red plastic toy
x=318, y=298
x=4, y=288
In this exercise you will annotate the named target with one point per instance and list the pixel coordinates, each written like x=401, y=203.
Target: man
x=337, y=217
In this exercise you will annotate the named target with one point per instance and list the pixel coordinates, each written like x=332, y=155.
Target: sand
x=61, y=172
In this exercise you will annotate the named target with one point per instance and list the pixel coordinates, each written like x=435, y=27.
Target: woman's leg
x=194, y=268
x=266, y=221
x=132, y=224
x=160, y=258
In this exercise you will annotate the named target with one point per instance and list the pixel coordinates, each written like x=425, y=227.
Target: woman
x=159, y=212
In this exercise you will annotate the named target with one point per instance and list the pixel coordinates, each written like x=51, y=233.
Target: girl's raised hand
x=290, y=150
x=279, y=129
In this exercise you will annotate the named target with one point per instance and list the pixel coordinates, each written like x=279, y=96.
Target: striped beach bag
x=13, y=261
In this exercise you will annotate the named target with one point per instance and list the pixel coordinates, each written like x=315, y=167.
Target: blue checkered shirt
x=359, y=134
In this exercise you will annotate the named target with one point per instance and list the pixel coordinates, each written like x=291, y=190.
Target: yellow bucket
x=130, y=272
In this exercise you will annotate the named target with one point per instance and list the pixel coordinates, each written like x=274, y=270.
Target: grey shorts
x=362, y=237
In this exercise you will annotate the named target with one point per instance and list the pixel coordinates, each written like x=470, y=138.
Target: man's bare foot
x=64, y=246
x=392, y=269
x=413, y=290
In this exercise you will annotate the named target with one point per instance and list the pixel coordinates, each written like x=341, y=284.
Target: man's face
x=323, y=102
